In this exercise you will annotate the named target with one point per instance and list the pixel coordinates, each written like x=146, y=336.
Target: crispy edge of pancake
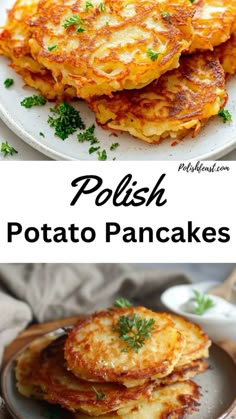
x=172, y=402
x=197, y=343
x=156, y=112
x=227, y=55
x=61, y=387
x=131, y=368
x=208, y=32
x=184, y=372
x=25, y=363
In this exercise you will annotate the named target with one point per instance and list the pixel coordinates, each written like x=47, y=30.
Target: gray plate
x=218, y=389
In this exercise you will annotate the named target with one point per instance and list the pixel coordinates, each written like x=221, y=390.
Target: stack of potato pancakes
x=154, y=68
x=129, y=363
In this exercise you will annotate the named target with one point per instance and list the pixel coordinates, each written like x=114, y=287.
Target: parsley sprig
x=226, y=115
x=66, y=120
x=134, y=331
x=7, y=150
x=122, y=302
x=35, y=100
x=8, y=83
x=99, y=396
x=203, y=303
x=153, y=55
x=76, y=21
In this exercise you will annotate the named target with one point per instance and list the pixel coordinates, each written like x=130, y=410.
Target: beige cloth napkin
x=43, y=292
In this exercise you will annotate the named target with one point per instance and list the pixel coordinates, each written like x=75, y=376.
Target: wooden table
x=34, y=331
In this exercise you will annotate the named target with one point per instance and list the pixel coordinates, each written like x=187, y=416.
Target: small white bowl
x=216, y=325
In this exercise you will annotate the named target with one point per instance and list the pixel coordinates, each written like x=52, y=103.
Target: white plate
x=218, y=391
x=214, y=141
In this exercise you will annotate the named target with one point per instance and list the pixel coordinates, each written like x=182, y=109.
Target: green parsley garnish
x=34, y=100
x=93, y=149
x=67, y=119
x=114, y=146
x=203, y=303
x=75, y=21
x=122, y=302
x=7, y=150
x=88, y=135
x=166, y=16
x=99, y=396
x=41, y=134
x=88, y=4
x=8, y=83
x=152, y=54
x=133, y=331
x=102, y=155
x=101, y=7
x=191, y=1
x=226, y=115
x=52, y=47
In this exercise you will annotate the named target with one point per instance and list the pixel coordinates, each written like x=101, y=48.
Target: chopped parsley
x=34, y=100
x=88, y=135
x=41, y=134
x=99, y=396
x=134, y=330
x=66, y=120
x=93, y=149
x=166, y=16
x=152, y=54
x=101, y=7
x=52, y=47
x=102, y=155
x=226, y=115
x=77, y=22
x=114, y=146
x=203, y=303
x=122, y=302
x=88, y=4
x=7, y=150
x=191, y=1
x=8, y=83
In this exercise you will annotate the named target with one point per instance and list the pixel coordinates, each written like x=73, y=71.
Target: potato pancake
x=25, y=366
x=213, y=23
x=227, y=55
x=97, y=349
x=197, y=342
x=14, y=44
x=179, y=102
x=62, y=387
x=97, y=48
x=184, y=372
x=174, y=401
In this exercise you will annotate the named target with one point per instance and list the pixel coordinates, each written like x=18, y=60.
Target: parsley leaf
x=34, y=100
x=88, y=135
x=101, y=7
x=66, y=120
x=75, y=21
x=88, y=4
x=114, y=146
x=226, y=115
x=122, y=302
x=8, y=83
x=102, y=155
x=93, y=149
x=203, y=303
x=133, y=331
x=166, y=16
x=52, y=47
x=7, y=150
x=99, y=396
x=152, y=54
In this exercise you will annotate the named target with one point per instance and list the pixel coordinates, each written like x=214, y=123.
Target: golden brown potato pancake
x=172, y=402
x=179, y=102
x=184, y=372
x=60, y=386
x=95, y=352
x=25, y=366
x=101, y=47
x=197, y=342
x=213, y=23
x=227, y=55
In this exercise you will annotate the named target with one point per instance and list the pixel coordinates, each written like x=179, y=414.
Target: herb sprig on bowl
x=203, y=303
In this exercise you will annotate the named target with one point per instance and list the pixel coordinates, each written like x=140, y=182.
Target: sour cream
x=221, y=307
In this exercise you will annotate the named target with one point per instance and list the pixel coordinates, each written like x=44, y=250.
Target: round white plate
x=218, y=391
x=214, y=141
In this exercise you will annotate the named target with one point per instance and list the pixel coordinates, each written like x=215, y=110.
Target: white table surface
x=25, y=152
